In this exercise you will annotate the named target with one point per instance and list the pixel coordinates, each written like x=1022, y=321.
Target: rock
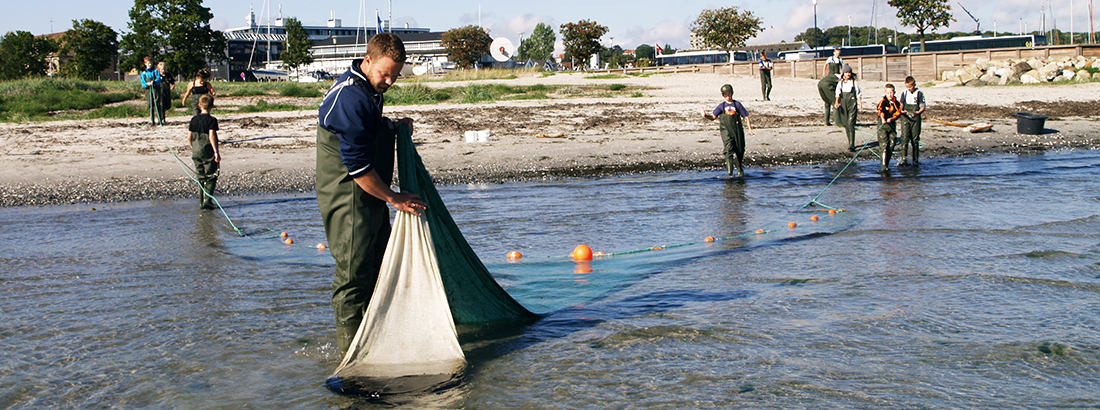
x=1010, y=79
x=1029, y=79
x=1083, y=75
x=1021, y=67
x=989, y=78
x=1058, y=78
x=965, y=78
x=1068, y=74
x=947, y=75
x=1004, y=72
x=973, y=70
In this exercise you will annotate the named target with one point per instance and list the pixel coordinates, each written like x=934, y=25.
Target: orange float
x=513, y=255
x=581, y=253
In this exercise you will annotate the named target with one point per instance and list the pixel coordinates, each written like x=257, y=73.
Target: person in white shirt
x=912, y=106
x=848, y=104
x=766, y=67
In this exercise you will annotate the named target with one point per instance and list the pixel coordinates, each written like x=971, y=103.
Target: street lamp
x=815, y=24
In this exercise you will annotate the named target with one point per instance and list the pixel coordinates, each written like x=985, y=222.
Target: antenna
x=502, y=49
x=978, y=26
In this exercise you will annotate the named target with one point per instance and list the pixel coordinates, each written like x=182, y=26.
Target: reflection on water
x=962, y=283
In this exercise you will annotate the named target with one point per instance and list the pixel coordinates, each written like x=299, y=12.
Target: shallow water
x=968, y=283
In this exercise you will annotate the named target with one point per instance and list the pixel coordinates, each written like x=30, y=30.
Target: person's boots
x=729, y=167
x=207, y=198
x=740, y=170
x=916, y=155
x=828, y=114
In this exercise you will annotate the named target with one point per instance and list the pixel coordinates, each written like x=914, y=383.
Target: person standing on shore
x=912, y=106
x=766, y=67
x=848, y=104
x=167, y=84
x=203, y=137
x=730, y=114
x=889, y=109
x=150, y=81
x=355, y=158
x=198, y=87
x=827, y=86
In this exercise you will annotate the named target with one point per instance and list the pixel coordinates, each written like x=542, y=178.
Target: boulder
x=965, y=78
x=989, y=78
x=973, y=70
x=1029, y=79
x=1083, y=75
x=1021, y=67
x=1009, y=79
x=1068, y=74
x=947, y=75
x=1003, y=72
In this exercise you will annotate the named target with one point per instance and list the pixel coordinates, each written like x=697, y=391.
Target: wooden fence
x=890, y=67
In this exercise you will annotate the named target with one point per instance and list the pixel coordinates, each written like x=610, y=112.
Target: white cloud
x=666, y=32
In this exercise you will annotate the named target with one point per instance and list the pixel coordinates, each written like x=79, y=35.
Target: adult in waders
x=848, y=104
x=912, y=106
x=197, y=88
x=150, y=81
x=202, y=135
x=766, y=67
x=355, y=158
x=827, y=86
x=730, y=114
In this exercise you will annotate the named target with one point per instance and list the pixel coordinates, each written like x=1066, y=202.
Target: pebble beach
x=657, y=127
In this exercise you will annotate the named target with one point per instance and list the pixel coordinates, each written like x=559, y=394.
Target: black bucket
x=1030, y=123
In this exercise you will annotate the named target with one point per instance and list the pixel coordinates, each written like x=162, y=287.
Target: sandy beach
x=661, y=130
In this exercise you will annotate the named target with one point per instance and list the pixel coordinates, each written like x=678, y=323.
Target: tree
x=92, y=45
x=645, y=51
x=296, y=47
x=813, y=36
x=582, y=39
x=540, y=46
x=725, y=28
x=923, y=15
x=174, y=31
x=668, y=50
x=466, y=45
x=24, y=55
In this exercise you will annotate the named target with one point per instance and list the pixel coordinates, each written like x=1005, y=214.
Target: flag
x=659, y=49
x=379, y=29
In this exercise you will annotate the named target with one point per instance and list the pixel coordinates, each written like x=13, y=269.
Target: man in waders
x=912, y=106
x=766, y=67
x=730, y=114
x=355, y=158
x=827, y=86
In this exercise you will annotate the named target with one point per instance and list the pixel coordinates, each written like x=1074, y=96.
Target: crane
x=977, y=25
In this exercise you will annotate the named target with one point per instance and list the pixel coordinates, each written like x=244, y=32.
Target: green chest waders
x=733, y=142
x=887, y=132
x=206, y=169
x=827, y=89
x=357, y=226
x=910, y=132
x=849, y=110
x=766, y=84
x=195, y=103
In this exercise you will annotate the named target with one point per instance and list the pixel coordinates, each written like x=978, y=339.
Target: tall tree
x=92, y=45
x=923, y=15
x=297, y=45
x=466, y=45
x=540, y=46
x=725, y=28
x=582, y=39
x=174, y=31
x=645, y=51
x=24, y=55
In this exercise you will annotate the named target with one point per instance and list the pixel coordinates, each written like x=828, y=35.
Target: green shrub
x=616, y=87
x=295, y=90
x=473, y=93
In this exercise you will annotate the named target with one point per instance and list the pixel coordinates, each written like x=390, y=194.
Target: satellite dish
x=502, y=49
x=420, y=70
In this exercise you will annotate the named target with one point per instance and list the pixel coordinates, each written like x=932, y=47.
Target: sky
x=630, y=23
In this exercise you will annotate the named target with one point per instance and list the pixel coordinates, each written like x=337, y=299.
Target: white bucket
x=483, y=136
x=471, y=136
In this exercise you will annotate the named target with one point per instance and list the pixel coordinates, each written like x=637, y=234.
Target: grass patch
x=118, y=111
x=616, y=87
x=295, y=90
x=604, y=76
x=415, y=93
x=263, y=106
x=482, y=74
x=41, y=98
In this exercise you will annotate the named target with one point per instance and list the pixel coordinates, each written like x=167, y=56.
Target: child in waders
x=849, y=104
x=766, y=68
x=912, y=106
x=730, y=114
x=889, y=109
x=167, y=84
x=150, y=81
x=827, y=86
x=203, y=137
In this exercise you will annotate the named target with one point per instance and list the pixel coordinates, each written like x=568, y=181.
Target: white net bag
x=408, y=329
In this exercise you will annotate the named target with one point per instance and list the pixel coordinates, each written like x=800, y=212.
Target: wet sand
x=661, y=130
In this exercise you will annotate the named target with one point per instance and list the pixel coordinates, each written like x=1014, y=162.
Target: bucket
x=471, y=136
x=1030, y=123
x=483, y=136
